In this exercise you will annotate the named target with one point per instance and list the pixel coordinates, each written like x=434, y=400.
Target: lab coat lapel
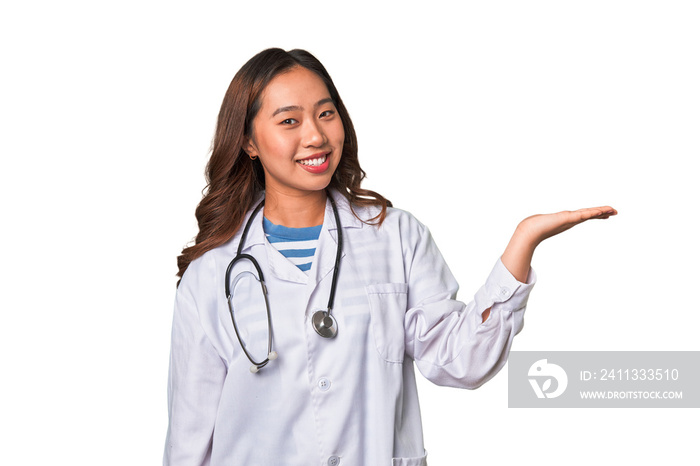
x=324, y=261
x=278, y=265
x=283, y=268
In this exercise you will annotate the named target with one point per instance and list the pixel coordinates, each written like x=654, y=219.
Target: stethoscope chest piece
x=324, y=324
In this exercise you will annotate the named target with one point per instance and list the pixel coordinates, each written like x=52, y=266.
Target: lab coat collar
x=347, y=218
x=324, y=260
x=256, y=234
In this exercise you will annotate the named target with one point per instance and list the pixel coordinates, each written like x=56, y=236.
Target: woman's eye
x=327, y=113
x=289, y=121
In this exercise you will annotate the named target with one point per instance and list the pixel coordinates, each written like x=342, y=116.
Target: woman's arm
x=197, y=371
x=533, y=230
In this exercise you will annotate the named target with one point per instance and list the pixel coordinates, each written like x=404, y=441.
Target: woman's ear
x=250, y=149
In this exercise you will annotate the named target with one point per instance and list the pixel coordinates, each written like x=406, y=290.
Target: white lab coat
x=350, y=400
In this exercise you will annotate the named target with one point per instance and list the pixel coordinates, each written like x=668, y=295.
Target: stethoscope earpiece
x=257, y=366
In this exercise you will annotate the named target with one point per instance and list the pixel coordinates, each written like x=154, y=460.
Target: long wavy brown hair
x=234, y=181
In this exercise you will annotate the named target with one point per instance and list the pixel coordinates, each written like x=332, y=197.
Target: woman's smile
x=318, y=163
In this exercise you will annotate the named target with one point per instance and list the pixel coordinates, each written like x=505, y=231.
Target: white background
x=470, y=117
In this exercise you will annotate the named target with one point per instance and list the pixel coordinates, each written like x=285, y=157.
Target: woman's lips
x=315, y=163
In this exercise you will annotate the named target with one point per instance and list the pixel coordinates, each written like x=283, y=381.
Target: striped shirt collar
x=256, y=235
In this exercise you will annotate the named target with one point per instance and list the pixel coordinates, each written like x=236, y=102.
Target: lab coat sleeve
x=197, y=372
x=446, y=338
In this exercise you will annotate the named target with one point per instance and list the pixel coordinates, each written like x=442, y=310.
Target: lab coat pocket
x=387, y=306
x=417, y=461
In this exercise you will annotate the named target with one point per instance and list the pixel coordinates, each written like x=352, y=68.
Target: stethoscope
x=322, y=321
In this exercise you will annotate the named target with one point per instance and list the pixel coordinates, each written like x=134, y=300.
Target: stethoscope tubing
x=322, y=329
x=264, y=362
x=338, y=254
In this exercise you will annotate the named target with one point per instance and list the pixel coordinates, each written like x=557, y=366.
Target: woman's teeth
x=313, y=162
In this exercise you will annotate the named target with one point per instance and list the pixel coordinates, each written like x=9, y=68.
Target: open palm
x=537, y=228
x=542, y=226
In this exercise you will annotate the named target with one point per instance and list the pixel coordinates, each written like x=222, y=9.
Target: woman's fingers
x=594, y=213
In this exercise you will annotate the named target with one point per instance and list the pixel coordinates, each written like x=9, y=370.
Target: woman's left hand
x=542, y=226
x=533, y=230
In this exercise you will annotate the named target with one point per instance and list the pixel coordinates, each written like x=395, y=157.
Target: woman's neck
x=295, y=211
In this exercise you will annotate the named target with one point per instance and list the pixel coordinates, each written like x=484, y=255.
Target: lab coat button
x=324, y=384
x=505, y=291
x=333, y=461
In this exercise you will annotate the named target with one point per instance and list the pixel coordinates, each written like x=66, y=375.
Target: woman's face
x=297, y=134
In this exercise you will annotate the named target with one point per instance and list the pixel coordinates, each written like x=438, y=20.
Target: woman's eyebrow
x=292, y=108
x=289, y=108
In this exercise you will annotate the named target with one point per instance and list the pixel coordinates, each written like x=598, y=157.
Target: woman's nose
x=313, y=135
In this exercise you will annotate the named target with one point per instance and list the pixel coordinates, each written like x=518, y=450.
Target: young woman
x=306, y=300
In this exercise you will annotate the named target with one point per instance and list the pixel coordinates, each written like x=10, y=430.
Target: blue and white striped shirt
x=296, y=244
